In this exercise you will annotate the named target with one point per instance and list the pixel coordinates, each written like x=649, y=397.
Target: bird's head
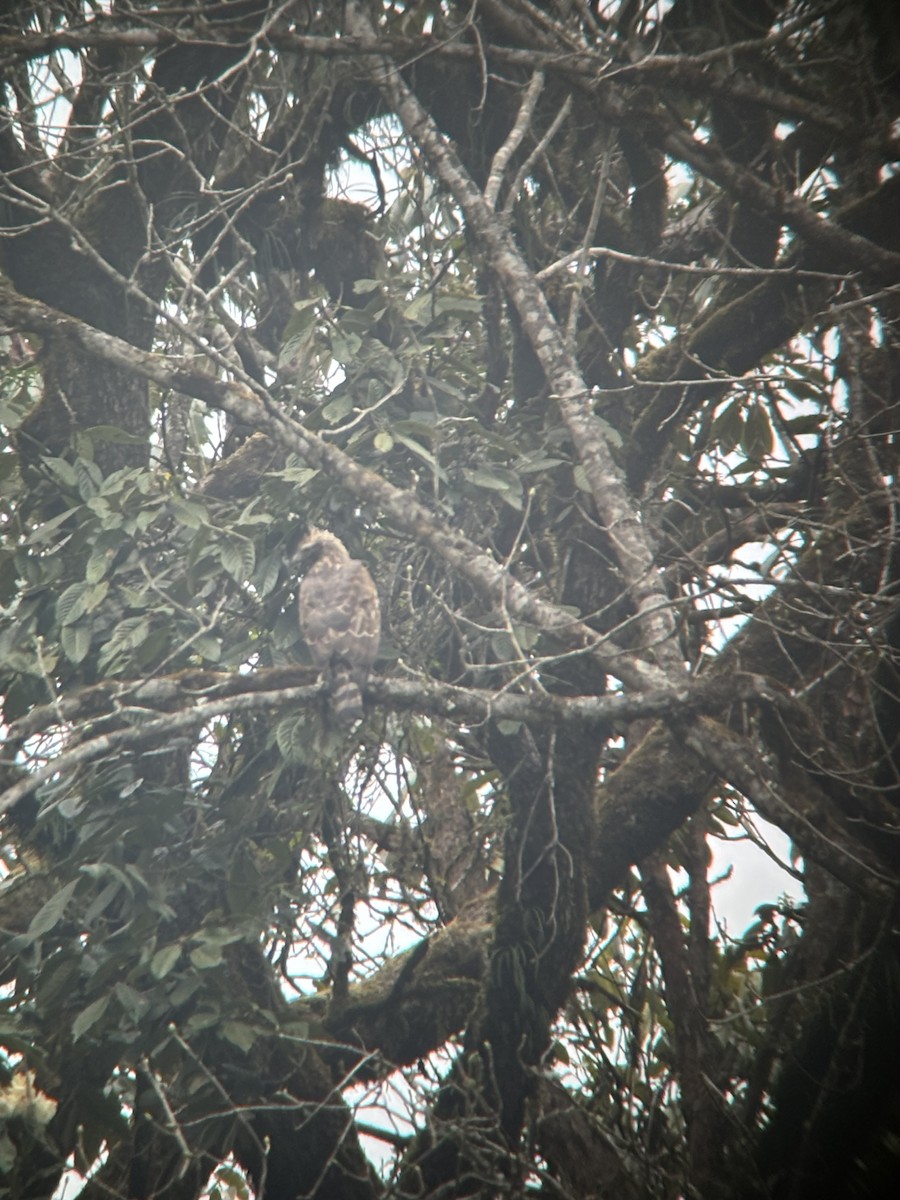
x=316, y=546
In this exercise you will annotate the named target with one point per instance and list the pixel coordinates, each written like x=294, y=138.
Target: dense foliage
x=577, y=322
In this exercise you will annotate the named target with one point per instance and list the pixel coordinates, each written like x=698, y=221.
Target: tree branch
x=593, y=438
x=249, y=693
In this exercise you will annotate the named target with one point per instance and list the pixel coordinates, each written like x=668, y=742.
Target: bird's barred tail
x=346, y=700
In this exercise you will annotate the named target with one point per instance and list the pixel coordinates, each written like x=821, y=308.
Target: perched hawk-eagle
x=340, y=619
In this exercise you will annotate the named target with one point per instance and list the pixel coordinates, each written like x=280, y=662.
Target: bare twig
x=514, y=140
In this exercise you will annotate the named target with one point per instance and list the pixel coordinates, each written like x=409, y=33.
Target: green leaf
x=63, y=470
x=97, y=566
x=96, y=595
x=76, y=642
x=238, y=559
x=107, y=870
x=744, y=467
x=501, y=480
x=267, y=575
x=527, y=636
x=422, y=453
x=459, y=306
x=187, y=513
x=728, y=426
x=297, y=474
x=302, y=317
x=758, y=438
x=560, y=1052
x=338, y=409
x=292, y=738
x=98, y=906
x=99, y=507
x=89, y=1016
x=239, y=1034
x=46, y=531
x=421, y=309
x=803, y=389
x=345, y=346
x=206, y=956
x=808, y=423
x=508, y=728
x=89, y=477
x=529, y=466
x=485, y=479
x=133, y=1003
x=207, y=647
x=73, y=603
x=49, y=914
x=128, y=635
x=69, y=807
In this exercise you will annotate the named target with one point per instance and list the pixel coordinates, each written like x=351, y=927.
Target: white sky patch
x=753, y=876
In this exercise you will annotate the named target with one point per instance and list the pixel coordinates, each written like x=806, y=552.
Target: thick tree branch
x=273, y=690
